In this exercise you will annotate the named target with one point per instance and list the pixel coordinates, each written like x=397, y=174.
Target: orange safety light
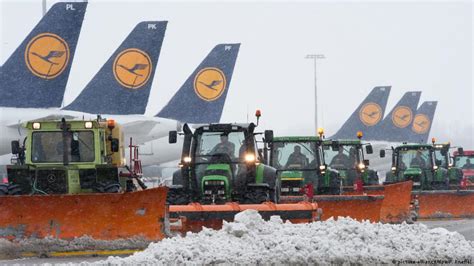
x=258, y=113
x=359, y=134
x=433, y=140
x=111, y=123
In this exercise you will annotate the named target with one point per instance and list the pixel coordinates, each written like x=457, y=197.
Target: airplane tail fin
x=202, y=97
x=36, y=74
x=122, y=86
x=367, y=116
x=421, y=127
x=397, y=123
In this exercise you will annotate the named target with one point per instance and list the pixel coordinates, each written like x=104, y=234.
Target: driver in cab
x=297, y=158
x=225, y=146
x=340, y=160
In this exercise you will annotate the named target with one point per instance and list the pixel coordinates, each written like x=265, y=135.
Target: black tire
x=112, y=188
x=274, y=194
x=3, y=189
x=256, y=195
x=177, y=196
x=14, y=189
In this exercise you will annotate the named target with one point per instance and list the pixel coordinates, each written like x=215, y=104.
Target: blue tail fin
x=123, y=84
x=202, y=96
x=367, y=116
x=399, y=120
x=36, y=74
x=421, y=127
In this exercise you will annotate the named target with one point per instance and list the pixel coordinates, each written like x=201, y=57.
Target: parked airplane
x=367, y=116
x=421, y=127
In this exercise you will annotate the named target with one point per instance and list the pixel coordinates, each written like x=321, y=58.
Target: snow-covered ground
x=251, y=240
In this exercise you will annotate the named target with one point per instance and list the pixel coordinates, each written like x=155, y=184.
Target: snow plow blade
x=99, y=216
x=445, y=204
x=194, y=216
x=396, y=204
x=359, y=207
x=387, y=203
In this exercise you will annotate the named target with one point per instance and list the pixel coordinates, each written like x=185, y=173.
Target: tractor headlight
x=394, y=168
x=435, y=167
x=187, y=159
x=36, y=125
x=249, y=157
x=322, y=167
x=361, y=166
x=88, y=124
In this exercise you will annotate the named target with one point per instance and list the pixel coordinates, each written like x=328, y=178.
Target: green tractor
x=419, y=163
x=347, y=157
x=68, y=157
x=444, y=160
x=221, y=163
x=299, y=161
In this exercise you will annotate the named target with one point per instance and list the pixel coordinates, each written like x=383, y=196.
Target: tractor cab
x=299, y=161
x=464, y=160
x=444, y=160
x=347, y=157
x=67, y=157
x=417, y=162
x=221, y=163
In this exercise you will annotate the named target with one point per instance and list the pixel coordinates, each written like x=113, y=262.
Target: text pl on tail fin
x=398, y=122
x=202, y=97
x=421, y=127
x=367, y=116
x=36, y=74
x=122, y=86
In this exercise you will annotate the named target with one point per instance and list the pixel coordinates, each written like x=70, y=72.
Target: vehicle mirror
x=461, y=151
x=369, y=149
x=173, y=137
x=335, y=146
x=382, y=153
x=366, y=162
x=268, y=135
x=115, y=145
x=15, y=147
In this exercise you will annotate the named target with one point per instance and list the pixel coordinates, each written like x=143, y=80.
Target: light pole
x=315, y=57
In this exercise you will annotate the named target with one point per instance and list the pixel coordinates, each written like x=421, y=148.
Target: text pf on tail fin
x=122, y=86
x=367, y=116
x=36, y=74
x=202, y=97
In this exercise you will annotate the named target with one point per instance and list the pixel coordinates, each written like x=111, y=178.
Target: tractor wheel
x=3, y=189
x=256, y=195
x=275, y=193
x=14, y=189
x=177, y=196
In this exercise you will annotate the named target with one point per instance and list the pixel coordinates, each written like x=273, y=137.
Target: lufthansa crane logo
x=402, y=116
x=132, y=68
x=370, y=114
x=209, y=83
x=421, y=124
x=47, y=55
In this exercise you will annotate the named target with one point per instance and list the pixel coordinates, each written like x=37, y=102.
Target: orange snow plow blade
x=396, y=203
x=100, y=216
x=359, y=207
x=445, y=204
x=193, y=217
x=387, y=203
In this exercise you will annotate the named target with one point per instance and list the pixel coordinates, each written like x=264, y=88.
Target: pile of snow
x=251, y=240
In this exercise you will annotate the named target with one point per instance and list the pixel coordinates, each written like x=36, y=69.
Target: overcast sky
x=423, y=46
